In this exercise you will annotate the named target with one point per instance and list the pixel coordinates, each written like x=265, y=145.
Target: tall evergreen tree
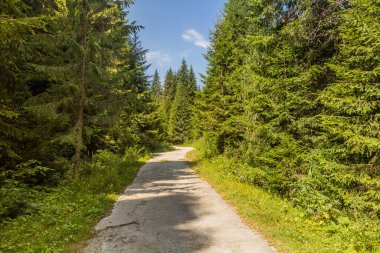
x=72, y=81
x=349, y=122
x=168, y=94
x=192, y=83
x=183, y=73
x=291, y=90
x=180, y=115
x=156, y=86
x=20, y=21
x=351, y=100
x=86, y=44
x=139, y=123
x=221, y=104
x=178, y=100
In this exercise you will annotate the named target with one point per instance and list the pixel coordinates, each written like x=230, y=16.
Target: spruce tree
x=349, y=122
x=19, y=23
x=138, y=123
x=221, y=103
x=192, y=83
x=181, y=110
x=169, y=91
x=156, y=88
x=87, y=45
x=291, y=90
x=180, y=116
x=351, y=101
x=183, y=74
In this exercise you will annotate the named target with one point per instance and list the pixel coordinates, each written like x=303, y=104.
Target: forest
x=290, y=102
x=292, y=92
x=75, y=110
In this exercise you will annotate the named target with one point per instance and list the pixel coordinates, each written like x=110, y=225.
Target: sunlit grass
x=64, y=217
x=283, y=225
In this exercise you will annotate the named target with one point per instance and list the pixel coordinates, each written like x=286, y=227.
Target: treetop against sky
x=174, y=30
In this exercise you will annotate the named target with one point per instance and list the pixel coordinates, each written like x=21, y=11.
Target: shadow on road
x=155, y=214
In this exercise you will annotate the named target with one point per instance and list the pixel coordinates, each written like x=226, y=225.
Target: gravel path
x=170, y=209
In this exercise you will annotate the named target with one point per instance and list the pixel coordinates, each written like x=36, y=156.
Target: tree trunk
x=82, y=95
x=79, y=137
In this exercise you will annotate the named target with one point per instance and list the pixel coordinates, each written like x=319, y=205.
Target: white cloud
x=192, y=35
x=159, y=58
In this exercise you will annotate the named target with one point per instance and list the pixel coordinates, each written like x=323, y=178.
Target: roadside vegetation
x=59, y=219
x=76, y=117
x=288, y=228
x=290, y=105
x=287, y=121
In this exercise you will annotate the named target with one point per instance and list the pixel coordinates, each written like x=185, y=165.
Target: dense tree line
x=175, y=101
x=292, y=90
x=72, y=82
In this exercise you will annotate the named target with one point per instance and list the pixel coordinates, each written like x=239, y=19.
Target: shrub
x=132, y=154
x=207, y=146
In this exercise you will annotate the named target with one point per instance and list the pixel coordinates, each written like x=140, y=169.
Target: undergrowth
x=288, y=227
x=56, y=218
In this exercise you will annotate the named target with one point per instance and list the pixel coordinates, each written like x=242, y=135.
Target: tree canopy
x=292, y=91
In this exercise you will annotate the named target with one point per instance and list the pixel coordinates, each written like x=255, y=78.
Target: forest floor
x=168, y=208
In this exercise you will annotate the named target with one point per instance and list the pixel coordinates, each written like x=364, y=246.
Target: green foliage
x=59, y=217
x=180, y=115
x=70, y=71
x=206, y=147
x=72, y=82
x=16, y=199
x=132, y=154
x=89, y=42
x=192, y=83
x=18, y=22
x=292, y=92
x=156, y=88
x=21, y=185
x=177, y=102
x=289, y=228
x=169, y=92
x=30, y=173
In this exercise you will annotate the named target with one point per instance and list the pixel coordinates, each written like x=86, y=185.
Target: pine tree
x=180, y=116
x=180, y=121
x=156, y=87
x=19, y=22
x=183, y=74
x=351, y=101
x=221, y=103
x=350, y=122
x=192, y=83
x=168, y=94
x=291, y=90
x=139, y=123
x=87, y=45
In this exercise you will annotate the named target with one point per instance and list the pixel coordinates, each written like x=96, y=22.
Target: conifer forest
x=289, y=104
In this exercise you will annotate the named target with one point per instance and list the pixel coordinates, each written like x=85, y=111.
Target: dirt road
x=170, y=209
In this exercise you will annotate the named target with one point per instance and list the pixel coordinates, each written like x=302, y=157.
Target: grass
x=63, y=217
x=283, y=225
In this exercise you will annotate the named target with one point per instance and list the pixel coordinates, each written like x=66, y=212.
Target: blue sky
x=176, y=29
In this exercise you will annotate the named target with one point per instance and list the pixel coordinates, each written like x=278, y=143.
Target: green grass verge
x=283, y=225
x=63, y=217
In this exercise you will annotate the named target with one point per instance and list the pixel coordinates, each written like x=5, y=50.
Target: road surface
x=170, y=209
